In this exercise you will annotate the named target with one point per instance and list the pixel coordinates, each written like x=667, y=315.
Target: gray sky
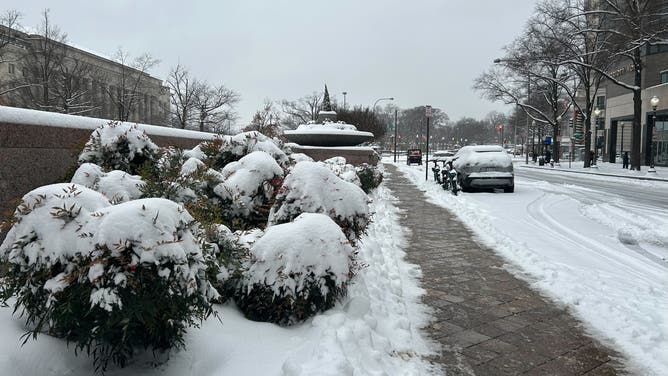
x=419, y=51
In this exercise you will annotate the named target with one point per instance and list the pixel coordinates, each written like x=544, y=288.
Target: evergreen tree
x=326, y=104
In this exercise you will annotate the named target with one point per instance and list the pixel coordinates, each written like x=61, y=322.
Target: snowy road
x=602, y=188
x=596, y=244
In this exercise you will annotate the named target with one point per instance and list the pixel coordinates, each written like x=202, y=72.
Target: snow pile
x=117, y=186
x=118, y=146
x=250, y=182
x=311, y=187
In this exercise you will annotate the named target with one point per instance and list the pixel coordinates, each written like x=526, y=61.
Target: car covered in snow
x=442, y=155
x=483, y=167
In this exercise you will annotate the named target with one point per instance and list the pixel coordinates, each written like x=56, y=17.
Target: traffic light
x=499, y=127
x=578, y=127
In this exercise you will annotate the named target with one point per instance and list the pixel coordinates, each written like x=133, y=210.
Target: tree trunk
x=636, y=130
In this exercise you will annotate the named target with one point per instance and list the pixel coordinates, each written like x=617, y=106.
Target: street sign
x=427, y=109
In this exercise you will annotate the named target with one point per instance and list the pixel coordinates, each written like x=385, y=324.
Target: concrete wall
x=353, y=155
x=39, y=148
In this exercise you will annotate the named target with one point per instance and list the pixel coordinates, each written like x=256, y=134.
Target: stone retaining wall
x=33, y=155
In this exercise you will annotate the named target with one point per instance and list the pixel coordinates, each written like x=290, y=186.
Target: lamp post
x=655, y=103
x=381, y=99
x=344, y=99
x=597, y=114
x=621, y=146
x=533, y=141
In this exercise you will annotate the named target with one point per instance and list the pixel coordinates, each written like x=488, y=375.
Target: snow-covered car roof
x=490, y=155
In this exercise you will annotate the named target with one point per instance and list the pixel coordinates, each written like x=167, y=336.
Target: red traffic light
x=499, y=127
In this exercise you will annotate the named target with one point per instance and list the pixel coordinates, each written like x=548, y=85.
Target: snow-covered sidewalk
x=376, y=330
x=603, y=168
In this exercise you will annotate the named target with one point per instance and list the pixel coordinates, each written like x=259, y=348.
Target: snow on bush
x=225, y=149
x=111, y=279
x=249, y=186
x=297, y=270
x=311, y=187
x=342, y=169
x=118, y=146
x=117, y=186
x=299, y=157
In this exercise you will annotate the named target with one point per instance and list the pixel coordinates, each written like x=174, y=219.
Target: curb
x=597, y=173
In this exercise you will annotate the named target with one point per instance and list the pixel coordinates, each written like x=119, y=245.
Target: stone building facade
x=94, y=86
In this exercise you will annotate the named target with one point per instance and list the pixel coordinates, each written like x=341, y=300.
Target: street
x=597, y=189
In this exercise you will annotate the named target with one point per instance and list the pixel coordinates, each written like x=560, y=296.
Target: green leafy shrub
x=296, y=270
x=118, y=146
x=369, y=176
x=113, y=280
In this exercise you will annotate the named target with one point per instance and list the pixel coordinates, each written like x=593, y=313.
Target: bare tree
x=183, y=96
x=9, y=21
x=302, y=110
x=42, y=63
x=214, y=105
x=130, y=78
x=266, y=120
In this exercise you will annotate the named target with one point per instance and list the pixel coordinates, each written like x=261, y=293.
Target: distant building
x=86, y=84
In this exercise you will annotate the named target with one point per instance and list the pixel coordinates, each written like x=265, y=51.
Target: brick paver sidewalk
x=488, y=321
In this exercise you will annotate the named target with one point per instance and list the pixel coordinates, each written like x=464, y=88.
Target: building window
x=664, y=77
x=600, y=102
x=12, y=68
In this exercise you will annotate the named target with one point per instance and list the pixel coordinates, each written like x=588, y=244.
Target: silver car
x=484, y=166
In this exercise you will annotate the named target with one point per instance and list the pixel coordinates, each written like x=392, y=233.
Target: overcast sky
x=418, y=51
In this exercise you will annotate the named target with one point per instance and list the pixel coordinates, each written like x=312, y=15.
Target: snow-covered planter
x=311, y=187
x=369, y=176
x=297, y=270
x=118, y=146
x=118, y=186
x=248, y=188
x=111, y=279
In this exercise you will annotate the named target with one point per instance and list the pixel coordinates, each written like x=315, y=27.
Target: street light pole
x=395, y=135
x=597, y=114
x=655, y=103
x=344, y=99
x=381, y=99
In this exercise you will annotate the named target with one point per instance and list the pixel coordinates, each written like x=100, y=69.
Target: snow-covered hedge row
x=142, y=241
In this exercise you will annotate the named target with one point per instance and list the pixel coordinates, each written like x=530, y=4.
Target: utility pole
x=528, y=120
x=426, y=165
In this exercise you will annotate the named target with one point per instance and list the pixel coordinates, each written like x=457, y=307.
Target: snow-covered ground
x=375, y=331
x=607, y=261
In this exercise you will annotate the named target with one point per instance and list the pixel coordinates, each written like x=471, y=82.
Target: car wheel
x=462, y=183
x=510, y=189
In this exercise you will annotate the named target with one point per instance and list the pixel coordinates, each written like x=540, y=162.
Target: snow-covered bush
x=369, y=176
x=118, y=186
x=248, y=187
x=225, y=149
x=342, y=169
x=226, y=259
x=118, y=146
x=297, y=270
x=310, y=187
x=110, y=279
